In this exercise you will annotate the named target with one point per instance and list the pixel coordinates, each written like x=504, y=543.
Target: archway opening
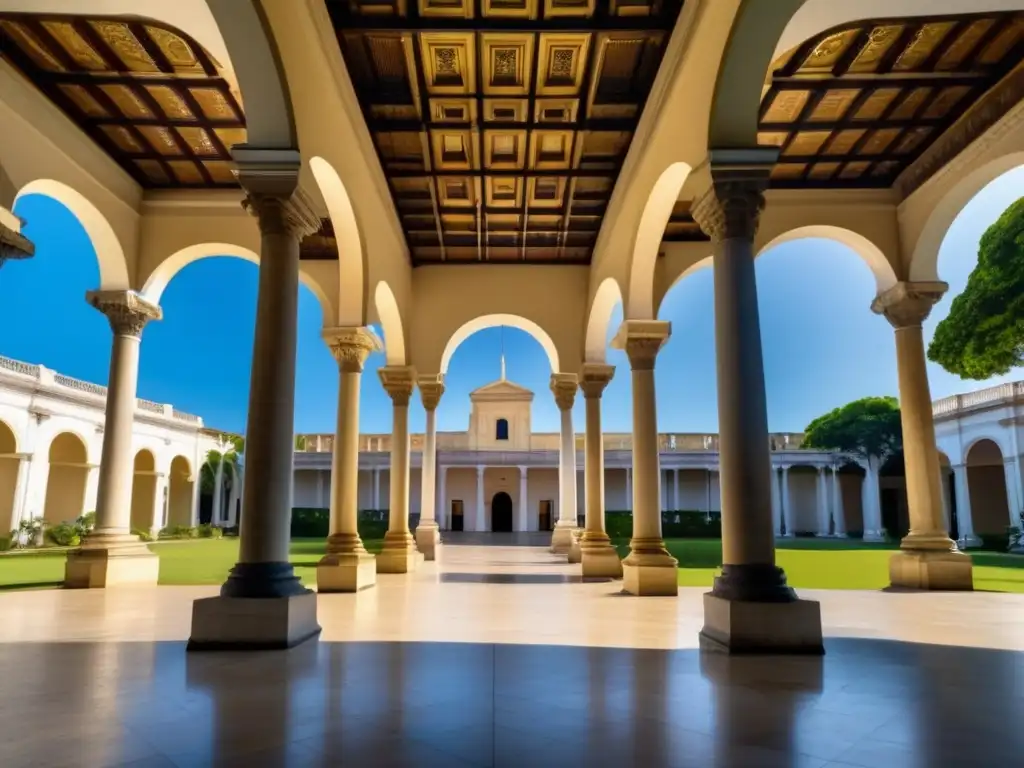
x=9, y=465
x=501, y=513
x=986, y=486
x=892, y=486
x=65, y=484
x=144, y=501
x=180, y=493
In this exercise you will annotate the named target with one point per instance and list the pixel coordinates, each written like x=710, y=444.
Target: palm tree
x=226, y=453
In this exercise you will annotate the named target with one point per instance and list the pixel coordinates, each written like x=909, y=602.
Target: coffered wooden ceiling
x=147, y=93
x=854, y=106
x=502, y=124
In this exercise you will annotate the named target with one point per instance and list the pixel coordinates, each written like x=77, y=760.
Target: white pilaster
x=481, y=521
x=524, y=500
x=1012, y=499
x=838, y=512
x=159, y=502
x=787, y=506
x=821, y=500
x=376, y=488
x=675, y=490
x=776, y=502
x=629, y=488
x=871, y=503
x=964, y=517
x=442, y=497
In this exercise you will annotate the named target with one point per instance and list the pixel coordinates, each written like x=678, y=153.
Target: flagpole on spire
x=502, y=353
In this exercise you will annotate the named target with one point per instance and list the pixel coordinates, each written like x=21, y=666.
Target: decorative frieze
x=907, y=304
x=127, y=311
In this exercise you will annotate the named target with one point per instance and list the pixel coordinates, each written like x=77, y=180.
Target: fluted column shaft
x=563, y=386
x=427, y=530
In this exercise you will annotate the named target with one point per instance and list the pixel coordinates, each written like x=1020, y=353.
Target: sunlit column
x=629, y=489
x=787, y=504
x=399, y=553
x=964, y=518
x=870, y=502
x=928, y=559
x=821, y=502
x=159, y=502
x=263, y=603
x=598, y=556
x=648, y=569
x=427, y=531
x=750, y=605
x=524, y=499
x=442, y=495
x=676, y=506
x=481, y=524
x=376, y=489
x=110, y=554
x=1009, y=470
x=838, y=512
x=776, y=502
x=563, y=385
x=347, y=566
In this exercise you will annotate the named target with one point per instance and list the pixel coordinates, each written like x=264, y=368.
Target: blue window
x=501, y=430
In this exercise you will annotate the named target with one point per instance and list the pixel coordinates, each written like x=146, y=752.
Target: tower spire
x=502, y=353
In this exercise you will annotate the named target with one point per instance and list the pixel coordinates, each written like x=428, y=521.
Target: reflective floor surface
x=453, y=667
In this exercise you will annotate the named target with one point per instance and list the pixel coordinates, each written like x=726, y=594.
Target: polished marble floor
x=502, y=656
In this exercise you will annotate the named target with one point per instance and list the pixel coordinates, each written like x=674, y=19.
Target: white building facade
x=51, y=439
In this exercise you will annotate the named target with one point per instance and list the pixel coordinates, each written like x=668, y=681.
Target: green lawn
x=812, y=563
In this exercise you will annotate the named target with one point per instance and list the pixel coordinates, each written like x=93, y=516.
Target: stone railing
x=1001, y=393
x=46, y=377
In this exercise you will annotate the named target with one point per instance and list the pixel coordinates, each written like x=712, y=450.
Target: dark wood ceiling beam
x=902, y=80
x=848, y=123
x=604, y=173
x=385, y=125
x=344, y=22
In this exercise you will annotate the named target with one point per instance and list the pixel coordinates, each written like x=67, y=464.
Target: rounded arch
x=144, y=502
x=986, y=487
x=924, y=260
x=493, y=321
x=8, y=438
x=66, y=481
x=109, y=251
x=351, y=272
x=607, y=297
x=145, y=461
x=391, y=323
x=157, y=282
x=653, y=220
x=67, y=447
x=871, y=254
x=981, y=447
x=180, y=493
x=9, y=466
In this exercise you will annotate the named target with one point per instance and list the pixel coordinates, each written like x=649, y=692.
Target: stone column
x=1012, y=502
x=750, y=606
x=481, y=522
x=427, y=532
x=347, y=566
x=376, y=489
x=870, y=501
x=159, y=505
x=524, y=499
x=776, y=503
x=563, y=385
x=399, y=553
x=110, y=555
x=263, y=604
x=648, y=569
x=629, y=489
x=787, y=504
x=838, y=513
x=821, y=501
x=964, y=518
x=598, y=556
x=442, y=495
x=928, y=559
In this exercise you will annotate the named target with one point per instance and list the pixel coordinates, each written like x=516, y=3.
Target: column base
x=649, y=570
x=740, y=626
x=428, y=539
x=875, y=536
x=253, y=624
x=346, y=572
x=399, y=554
x=601, y=561
x=931, y=569
x=114, y=561
x=561, y=537
x=575, y=553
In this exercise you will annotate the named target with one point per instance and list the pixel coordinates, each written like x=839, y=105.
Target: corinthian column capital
x=642, y=340
x=270, y=178
x=732, y=204
x=431, y=388
x=398, y=382
x=563, y=386
x=351, y=346
x=594, y=377
x=907, y=304
x=127, y=311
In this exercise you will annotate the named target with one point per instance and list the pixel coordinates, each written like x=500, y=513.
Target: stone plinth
x=253, y=623
x=561, y=538
x=739, y=626
x=428, y=540
x=575, y=554
x=601, y=562
x=99, y=567
x=650, y=575
x=346, y=572
x=923, y=569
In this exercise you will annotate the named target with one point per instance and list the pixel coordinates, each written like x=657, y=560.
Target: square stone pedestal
x=253, y=623
x=348, y=572
x=575, y=554
x=737, y=626
x=924, y=569
x=561, y=538
x=651, y=580
x=428, y=541
x=601, y=563
x=102, y=567
x=399, y=560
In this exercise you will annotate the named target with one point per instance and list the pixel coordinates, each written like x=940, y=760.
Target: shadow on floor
x=866, y=703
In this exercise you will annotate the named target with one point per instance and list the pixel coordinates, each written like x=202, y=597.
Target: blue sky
x=822, y=344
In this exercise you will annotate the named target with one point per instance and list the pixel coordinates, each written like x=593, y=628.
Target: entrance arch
x=9, y=465
x=501, y=513
x=143, y=491
x=65, y=485
x=180, y=485
x=986, y=486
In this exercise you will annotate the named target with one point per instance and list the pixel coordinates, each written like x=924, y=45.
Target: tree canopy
x=983, y=335
x=866, y=427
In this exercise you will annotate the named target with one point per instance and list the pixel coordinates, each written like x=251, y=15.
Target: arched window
x=501, y=430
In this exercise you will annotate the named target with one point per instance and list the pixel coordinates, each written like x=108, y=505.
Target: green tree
x=869, y=428
x=983, y=335
x=213, y=477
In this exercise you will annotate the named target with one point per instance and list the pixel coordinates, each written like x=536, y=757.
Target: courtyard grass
x=809, y=563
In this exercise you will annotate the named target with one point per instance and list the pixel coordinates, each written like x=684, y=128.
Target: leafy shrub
x=177, y=532
x=143, y=535
x=64, y=535
x=684, y=524
x=86, y=522
x=6, y=542
x=310, y=522
x=207, y=531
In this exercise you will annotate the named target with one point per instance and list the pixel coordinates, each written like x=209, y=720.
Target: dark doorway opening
x=457, y=523
x=545, y=521
x=501, y=512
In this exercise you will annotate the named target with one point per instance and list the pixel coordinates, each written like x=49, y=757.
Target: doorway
x=501, y=512
x=544, y=523
x=457, y=519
